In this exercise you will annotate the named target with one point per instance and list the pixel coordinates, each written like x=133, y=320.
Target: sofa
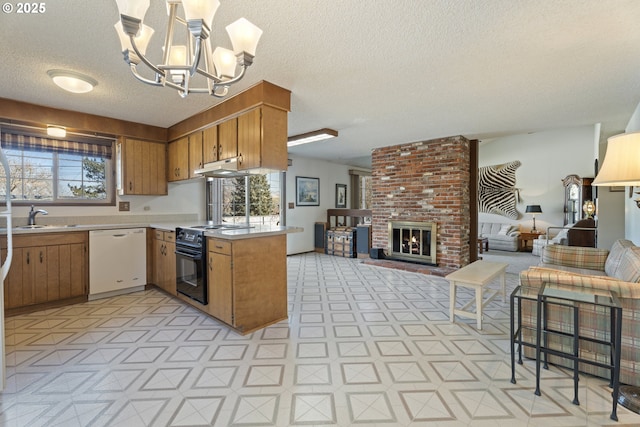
x=544, y=240
x=502, y=237
x=615, y=270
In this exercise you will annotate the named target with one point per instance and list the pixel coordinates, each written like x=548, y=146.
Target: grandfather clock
x=576, y=191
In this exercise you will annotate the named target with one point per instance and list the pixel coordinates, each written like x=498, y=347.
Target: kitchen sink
x=39, y=226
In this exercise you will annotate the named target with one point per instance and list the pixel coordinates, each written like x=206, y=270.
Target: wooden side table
x=525, y=238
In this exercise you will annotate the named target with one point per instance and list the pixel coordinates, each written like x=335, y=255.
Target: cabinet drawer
x=169, y=236
x=220, y=246
x=158, y=235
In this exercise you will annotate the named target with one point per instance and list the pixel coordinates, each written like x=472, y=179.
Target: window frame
x=110, y=184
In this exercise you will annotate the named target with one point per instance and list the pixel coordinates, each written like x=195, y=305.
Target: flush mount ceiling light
x=316, y=135
x=71, y=81
x=56, y=131
x=181, y=62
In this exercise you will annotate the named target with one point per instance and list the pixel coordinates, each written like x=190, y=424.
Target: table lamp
x=533, y=210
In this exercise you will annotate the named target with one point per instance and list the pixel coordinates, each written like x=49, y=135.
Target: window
x=264, y=200
x=50, y=171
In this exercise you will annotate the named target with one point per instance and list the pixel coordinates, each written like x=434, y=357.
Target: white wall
x=631, y=211
x=330, y=174
x=186, y=197
x=546, y=157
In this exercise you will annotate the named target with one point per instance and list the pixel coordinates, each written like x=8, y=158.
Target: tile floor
x=363, y=345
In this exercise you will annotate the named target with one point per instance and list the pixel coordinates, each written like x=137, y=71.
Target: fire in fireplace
x=412, y=241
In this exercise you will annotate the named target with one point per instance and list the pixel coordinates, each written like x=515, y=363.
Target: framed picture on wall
x=341, y=195
x=307, y=191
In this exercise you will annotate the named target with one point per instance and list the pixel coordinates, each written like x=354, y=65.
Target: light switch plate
x=123, y=206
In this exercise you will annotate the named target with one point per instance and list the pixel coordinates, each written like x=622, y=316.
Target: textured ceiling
x=381, y=73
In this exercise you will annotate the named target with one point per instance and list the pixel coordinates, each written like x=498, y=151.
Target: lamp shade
x=142, y=39
x=621, y=166
x=200, y=9
x=134, y=8
x=533, y=209
x=244, y=36
x=225, y=62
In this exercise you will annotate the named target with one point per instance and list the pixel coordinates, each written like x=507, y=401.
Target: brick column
x=425, y=181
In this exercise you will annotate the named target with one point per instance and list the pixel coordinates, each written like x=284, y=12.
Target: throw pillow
x=615, y=256
x=629, y=269
x=504, y=229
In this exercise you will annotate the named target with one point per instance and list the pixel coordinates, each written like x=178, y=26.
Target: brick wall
x=425, y=181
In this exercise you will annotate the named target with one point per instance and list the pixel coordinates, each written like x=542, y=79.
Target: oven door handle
x=188, y=255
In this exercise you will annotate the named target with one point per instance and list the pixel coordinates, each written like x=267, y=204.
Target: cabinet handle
x=220, y=150
x=240, y=158
x=130, y=185
x=41, y=257
x=28, y=260
x=210, y=264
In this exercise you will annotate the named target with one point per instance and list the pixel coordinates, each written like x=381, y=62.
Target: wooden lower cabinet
x=247, y=281
x=164, y=260
x=46, y=269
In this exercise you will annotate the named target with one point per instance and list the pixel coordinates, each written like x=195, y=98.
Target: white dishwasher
x=117, y=261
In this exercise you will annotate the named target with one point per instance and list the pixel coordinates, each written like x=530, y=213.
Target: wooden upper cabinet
x=228, y=139
x=262, y=139
x=142, y=169
x=178, y=159
x=195, y=153
x=210, y=144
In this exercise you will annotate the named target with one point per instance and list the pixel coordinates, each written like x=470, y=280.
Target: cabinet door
x=228, y=139
x=220, y=287
x=143, y=167
x=250, y=140
x=210, y=144
x=14, y=291
x=157, y=275
x=69, y=267
x=195, y=153
x=178, y=160
x=169, y=268
x=157, y=169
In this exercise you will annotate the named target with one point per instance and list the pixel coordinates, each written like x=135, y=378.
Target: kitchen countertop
x=231, y=234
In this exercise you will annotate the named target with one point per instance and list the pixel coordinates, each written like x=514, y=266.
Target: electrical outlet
x=147, y=208
x=123, y=206
x=291, y=205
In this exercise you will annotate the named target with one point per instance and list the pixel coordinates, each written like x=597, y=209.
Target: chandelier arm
x=137, y=75
x=243, y=69
x=209, y=76
x=144, y=58
x=173, y=16
x=196, y=57
x=225, y=91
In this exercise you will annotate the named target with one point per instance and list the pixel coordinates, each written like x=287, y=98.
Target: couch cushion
x=615, y=256
x=629, y=268
x=504, y=229
x=577, y=257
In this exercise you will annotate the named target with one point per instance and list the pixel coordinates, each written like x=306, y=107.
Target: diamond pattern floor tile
x=363, y=345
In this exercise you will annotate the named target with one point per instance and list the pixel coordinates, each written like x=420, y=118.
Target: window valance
x=17, y=141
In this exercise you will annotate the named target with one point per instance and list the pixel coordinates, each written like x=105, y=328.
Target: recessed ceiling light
x=56, y=131
x=316, y=135
x=72, y=81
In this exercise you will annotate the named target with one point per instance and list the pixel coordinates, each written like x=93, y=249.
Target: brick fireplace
x=425, y=181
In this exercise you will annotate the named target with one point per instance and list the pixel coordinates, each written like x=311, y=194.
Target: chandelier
x=181, y=62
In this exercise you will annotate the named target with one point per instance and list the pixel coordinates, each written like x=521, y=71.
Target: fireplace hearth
x=412, y=241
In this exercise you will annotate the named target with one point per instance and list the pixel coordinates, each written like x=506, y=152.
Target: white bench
x=476, y=276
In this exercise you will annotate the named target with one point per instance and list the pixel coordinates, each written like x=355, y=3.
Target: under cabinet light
x=316, y=135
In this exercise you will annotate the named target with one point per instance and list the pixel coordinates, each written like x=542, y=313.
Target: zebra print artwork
x=497, y=192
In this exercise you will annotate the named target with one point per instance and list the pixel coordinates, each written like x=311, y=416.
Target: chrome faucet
x=32, y=215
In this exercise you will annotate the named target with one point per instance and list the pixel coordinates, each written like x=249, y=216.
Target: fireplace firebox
x=412, y=241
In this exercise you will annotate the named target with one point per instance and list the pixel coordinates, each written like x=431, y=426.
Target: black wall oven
x=191, y=264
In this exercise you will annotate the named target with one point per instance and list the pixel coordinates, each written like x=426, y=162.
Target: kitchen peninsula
x=246, y=275
x=246, y=280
